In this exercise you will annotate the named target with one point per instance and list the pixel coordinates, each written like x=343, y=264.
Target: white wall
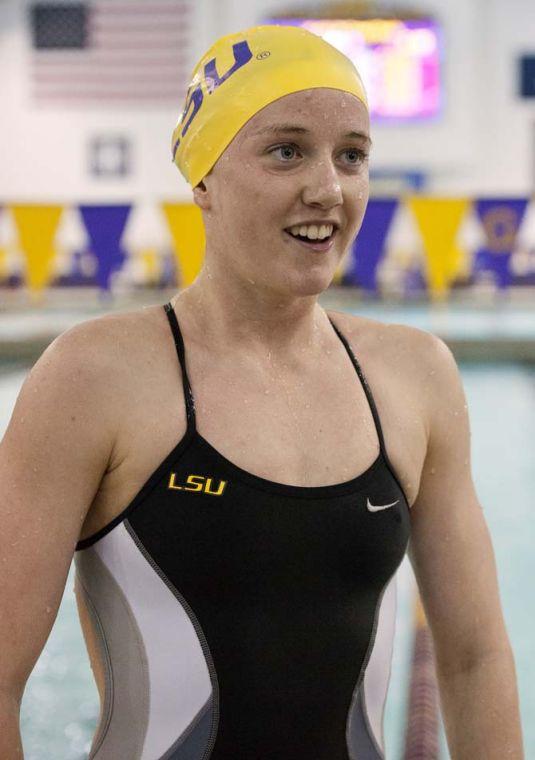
x=506, y=151
x=44, y=151
x=483, y=143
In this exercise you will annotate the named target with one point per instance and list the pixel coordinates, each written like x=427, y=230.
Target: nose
x=322, y=188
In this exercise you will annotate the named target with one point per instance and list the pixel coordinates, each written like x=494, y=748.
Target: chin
x=311, y=284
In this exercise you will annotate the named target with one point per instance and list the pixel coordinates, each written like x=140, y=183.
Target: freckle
x=73, y=418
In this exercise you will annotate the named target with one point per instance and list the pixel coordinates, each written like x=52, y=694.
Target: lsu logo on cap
x=212, y=80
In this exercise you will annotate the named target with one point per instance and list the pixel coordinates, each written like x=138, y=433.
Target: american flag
x=110, y=52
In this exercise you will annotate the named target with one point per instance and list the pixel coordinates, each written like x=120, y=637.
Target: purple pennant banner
x=105, y=226
x=500, y=219
x=369, y=247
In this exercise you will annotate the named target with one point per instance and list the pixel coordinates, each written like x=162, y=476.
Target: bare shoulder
x=415, y=381
x=109, y=338
x=90, y=369
x=388, y=336
x=412, y=351
x=105, y=350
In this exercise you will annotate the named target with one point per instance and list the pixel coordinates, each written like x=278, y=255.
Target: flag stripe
x=103, y=98
x=164, y=69
x=116, y=57
x=141, y=9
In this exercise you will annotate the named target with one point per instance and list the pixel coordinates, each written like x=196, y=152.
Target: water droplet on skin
x=48, y=610
x=266, y=392
x=432, y=372
x=433, y=470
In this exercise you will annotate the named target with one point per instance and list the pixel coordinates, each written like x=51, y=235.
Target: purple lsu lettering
x=197, y=484
x=194, y=97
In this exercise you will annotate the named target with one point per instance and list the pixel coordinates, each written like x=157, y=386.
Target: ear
x=201, y=196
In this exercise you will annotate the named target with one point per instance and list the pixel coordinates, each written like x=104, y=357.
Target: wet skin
x=276, y=394
x=302, y=158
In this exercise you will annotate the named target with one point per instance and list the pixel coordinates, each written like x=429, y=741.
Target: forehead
x=322, y=112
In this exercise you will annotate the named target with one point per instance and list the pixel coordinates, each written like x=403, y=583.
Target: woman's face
x=287, y=197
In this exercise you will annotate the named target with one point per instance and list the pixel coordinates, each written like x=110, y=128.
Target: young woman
x=240, y=471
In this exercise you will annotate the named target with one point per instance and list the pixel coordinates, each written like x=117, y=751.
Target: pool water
x=60, y=705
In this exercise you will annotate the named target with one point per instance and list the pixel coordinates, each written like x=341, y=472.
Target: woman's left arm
x=454, y=564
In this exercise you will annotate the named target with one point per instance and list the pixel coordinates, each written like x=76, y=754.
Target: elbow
x=465, y=661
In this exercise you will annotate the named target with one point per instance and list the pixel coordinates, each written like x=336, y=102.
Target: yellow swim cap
x=241, y=74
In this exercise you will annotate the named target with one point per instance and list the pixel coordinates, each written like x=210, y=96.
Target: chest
x=303, y=426
x=296, y=427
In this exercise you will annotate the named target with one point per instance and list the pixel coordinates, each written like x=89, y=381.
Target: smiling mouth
x=317, y=237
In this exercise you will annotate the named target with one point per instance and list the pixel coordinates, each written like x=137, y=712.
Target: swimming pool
x=60, y=705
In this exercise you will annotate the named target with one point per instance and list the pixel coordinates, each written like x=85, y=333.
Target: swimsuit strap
x=190, y=400
x=179, y=343
x=366, y=387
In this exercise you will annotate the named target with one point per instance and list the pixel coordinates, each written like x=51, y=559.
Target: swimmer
x=238, y=472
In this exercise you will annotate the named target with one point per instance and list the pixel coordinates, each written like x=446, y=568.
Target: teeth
x=313, y=231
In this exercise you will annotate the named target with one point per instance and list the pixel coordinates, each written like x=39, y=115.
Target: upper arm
x=451, y=551
x=52, y=458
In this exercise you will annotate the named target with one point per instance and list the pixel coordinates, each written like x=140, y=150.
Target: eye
x=355, y=155
x=285, y=152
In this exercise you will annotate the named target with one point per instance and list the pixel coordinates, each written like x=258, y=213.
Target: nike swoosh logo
x=373, y=508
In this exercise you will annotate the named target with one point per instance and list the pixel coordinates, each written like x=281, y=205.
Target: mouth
x=313, y=237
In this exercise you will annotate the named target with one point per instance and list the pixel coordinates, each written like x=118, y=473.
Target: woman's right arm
x=53, y=456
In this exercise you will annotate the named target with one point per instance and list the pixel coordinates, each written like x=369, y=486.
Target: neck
x=243, y=313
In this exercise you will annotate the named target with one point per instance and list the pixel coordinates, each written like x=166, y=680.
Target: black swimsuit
x=242, y=619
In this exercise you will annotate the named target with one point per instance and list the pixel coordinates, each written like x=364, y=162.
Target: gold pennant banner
x=36, y=228
x=439, y=220
x=187, y=232
x=151, y=265
x=3, y=264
